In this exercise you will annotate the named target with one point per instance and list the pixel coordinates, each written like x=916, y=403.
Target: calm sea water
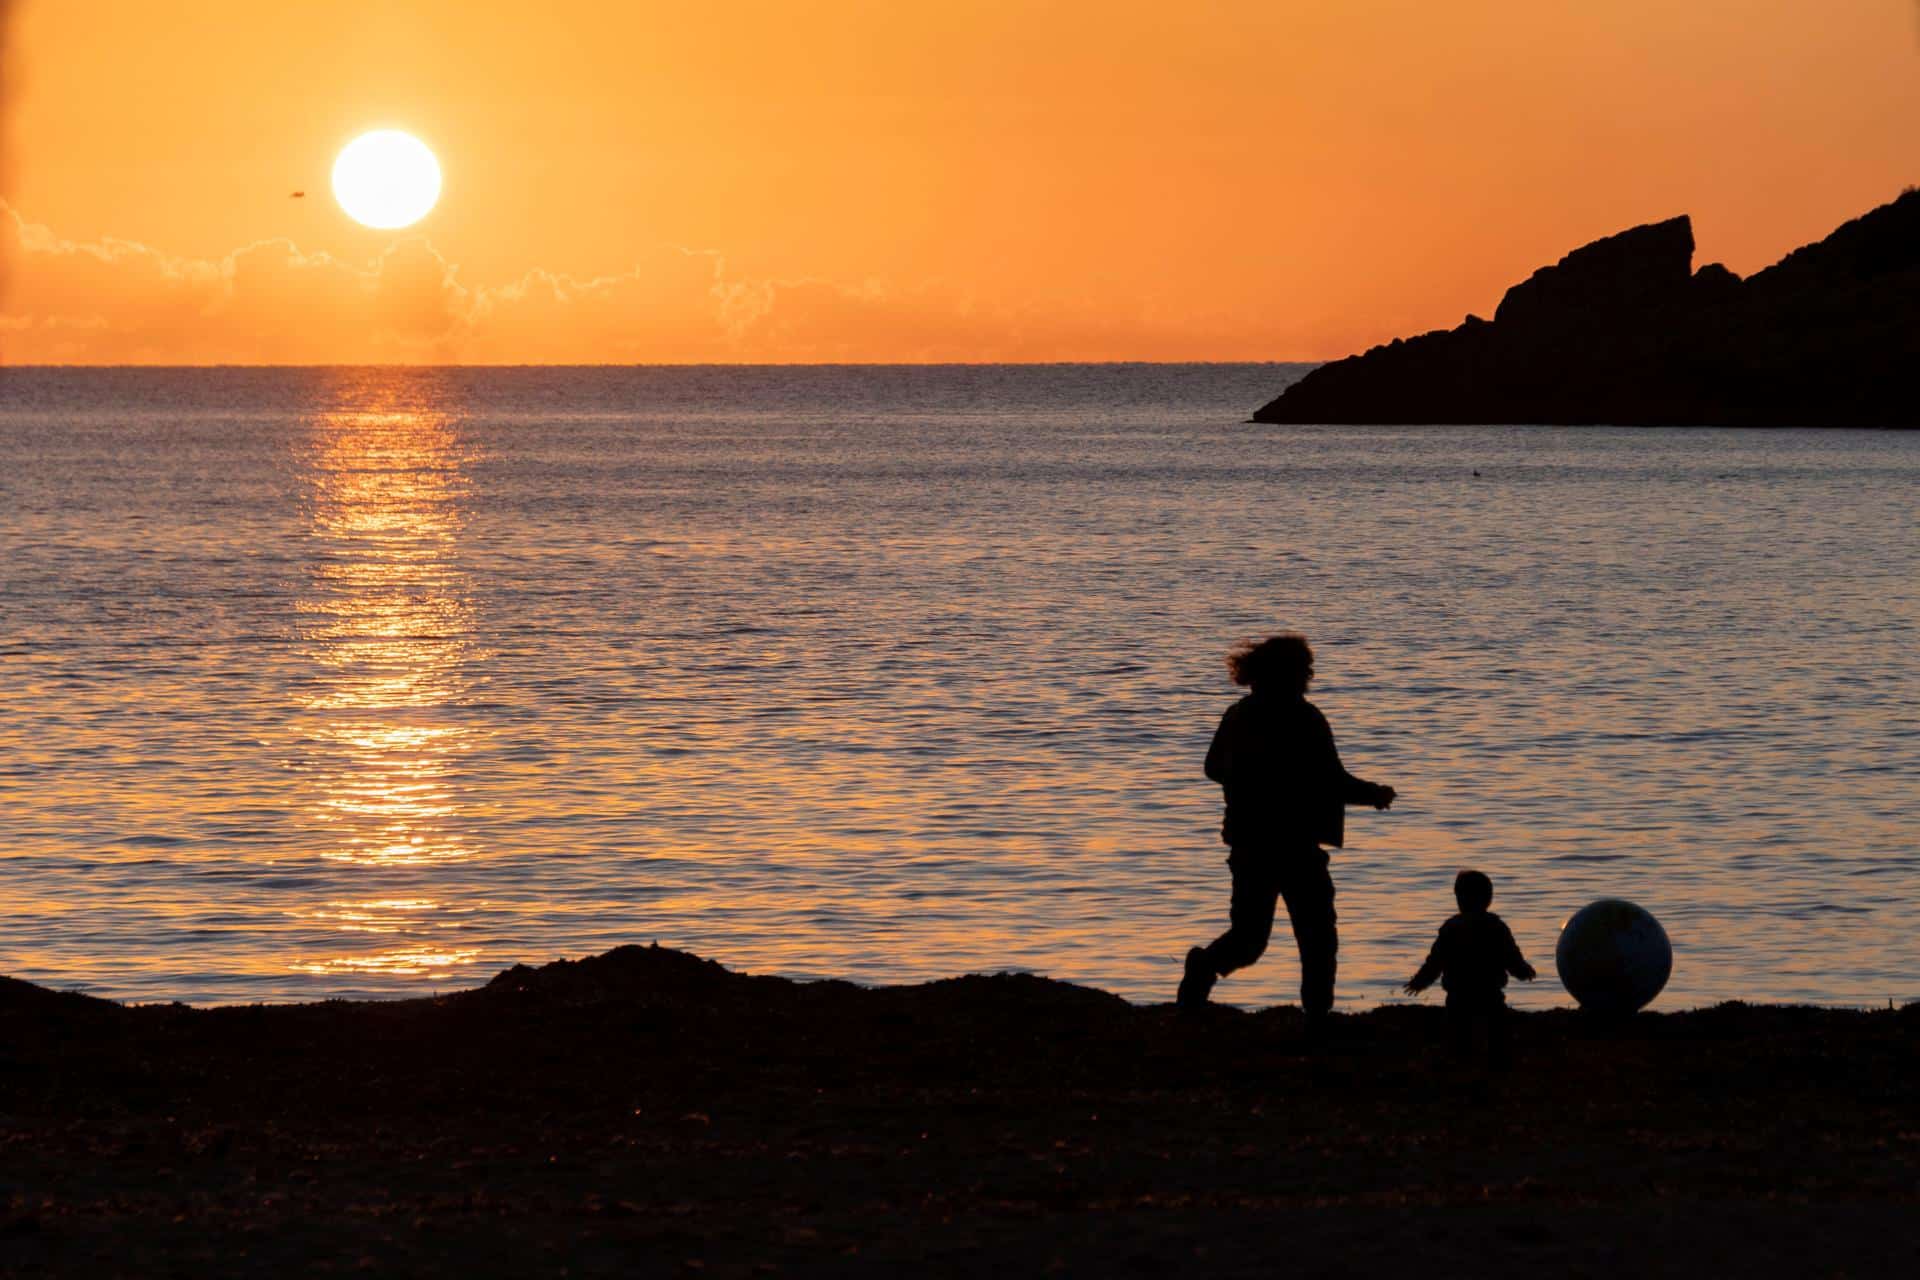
x=373, y=682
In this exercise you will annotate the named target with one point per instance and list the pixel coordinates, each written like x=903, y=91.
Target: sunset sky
x=748, y=180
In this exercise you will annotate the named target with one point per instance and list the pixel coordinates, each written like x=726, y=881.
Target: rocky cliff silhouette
x=1624, y=331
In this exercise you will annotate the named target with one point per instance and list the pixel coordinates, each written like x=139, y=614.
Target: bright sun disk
x=386, y=179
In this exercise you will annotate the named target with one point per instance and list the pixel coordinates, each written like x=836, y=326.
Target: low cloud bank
x=115, y=301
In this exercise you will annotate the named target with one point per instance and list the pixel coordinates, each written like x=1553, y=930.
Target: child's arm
x=1429, y=971
x=1516, y=963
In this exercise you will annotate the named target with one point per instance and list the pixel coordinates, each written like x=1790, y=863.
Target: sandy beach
x=647, y=1112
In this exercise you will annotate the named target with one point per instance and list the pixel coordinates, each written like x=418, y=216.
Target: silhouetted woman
x=1286, y=794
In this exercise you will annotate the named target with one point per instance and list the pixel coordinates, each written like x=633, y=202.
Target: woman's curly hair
x=1282, y=661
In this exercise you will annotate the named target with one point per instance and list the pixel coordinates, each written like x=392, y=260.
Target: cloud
x=115, y=301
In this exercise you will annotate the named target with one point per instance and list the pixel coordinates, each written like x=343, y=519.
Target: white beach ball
x=1613, y=956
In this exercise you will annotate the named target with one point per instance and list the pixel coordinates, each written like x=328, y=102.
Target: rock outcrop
x=1624, y=331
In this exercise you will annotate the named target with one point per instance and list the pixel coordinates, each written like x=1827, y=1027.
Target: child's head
x=1473, y=891
x=1282, y=662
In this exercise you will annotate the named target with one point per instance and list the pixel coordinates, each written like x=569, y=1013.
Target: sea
x=372, y=682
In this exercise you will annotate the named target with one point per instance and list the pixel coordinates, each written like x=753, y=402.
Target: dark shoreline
x=646, y=1111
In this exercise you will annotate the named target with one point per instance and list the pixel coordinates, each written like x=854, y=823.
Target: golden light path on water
x=389, y=626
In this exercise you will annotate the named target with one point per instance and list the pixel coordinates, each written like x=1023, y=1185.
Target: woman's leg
x=1256, y=892
x=1308, y=889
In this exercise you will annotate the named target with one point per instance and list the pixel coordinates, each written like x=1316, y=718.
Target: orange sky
x=778, y=180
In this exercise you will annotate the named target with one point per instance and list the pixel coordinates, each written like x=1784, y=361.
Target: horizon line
x=677, y=364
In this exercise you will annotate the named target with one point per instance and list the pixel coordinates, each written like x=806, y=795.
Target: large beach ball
x=1613, y=956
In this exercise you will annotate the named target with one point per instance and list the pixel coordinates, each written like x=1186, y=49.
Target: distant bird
x=299, y=195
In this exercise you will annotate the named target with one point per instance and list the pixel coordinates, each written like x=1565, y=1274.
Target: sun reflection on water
x=390, y=916
x=389, y=627
x=402, y=962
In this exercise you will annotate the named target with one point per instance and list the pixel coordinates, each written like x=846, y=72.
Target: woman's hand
x=1383, y=796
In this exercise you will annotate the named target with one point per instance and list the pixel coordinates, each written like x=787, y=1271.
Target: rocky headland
x=646, y=1112
x=1624, y=331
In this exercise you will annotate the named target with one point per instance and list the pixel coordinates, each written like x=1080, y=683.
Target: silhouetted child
x=1472, y=957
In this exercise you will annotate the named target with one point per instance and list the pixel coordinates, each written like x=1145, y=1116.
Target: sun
x=386, y=179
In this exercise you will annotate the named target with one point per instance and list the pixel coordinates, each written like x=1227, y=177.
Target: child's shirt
x=1472, y=956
